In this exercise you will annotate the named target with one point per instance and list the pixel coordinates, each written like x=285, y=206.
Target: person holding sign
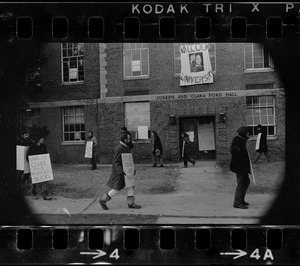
x=94, y=150
x=24, y=141
x=38, y=147
x=261, y=143
x=241, y=165
x=117, y=179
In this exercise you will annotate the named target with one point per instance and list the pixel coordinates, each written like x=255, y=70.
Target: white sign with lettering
x=128, y=168
x=22, y=163
x=88, y=149
x=40, y=168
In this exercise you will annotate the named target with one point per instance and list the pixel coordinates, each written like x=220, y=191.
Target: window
x=30, y=117
x=261, y=110
x=136, y=60
x=72, y=62
x=256, y=57
x=137, y=114
x=177, y=60
x=73, y=123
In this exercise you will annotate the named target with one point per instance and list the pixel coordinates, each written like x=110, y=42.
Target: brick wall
x=53, y=89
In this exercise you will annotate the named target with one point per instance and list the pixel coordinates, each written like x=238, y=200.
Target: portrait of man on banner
x=195, y=64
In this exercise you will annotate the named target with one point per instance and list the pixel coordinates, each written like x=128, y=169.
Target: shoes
x=103, y=204
x=161, y=165
x=246, y=203
x=134, y=206
x=47, y=197
x=94, y=168
x=240, y=206
x=154, y=165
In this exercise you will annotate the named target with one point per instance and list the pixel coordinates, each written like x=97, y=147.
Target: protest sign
x=88, y=149
x=128, y=168
x=22, y=163
x=40, y=168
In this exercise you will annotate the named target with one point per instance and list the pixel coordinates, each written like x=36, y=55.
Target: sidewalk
x=188, y=205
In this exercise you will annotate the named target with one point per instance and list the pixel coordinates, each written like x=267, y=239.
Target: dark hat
x=124, y=129
x=259, y=126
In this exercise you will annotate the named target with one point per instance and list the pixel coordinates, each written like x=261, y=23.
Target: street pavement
x=184, y=206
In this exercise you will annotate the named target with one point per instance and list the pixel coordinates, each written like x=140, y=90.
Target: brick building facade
x=107, y=86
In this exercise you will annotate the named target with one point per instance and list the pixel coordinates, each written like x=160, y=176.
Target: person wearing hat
x=240, y=164
x=261, y=143
x=38, y=147
x=116, y=181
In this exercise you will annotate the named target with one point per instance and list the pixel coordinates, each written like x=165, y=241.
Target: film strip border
x=148, y=22
x=151, y=244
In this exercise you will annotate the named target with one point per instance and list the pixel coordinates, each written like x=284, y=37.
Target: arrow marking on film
x=98, y=254
x=239, y=254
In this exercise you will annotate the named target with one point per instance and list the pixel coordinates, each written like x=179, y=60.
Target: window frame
x=261, y=106
x=270, y=62
x=134, y=132
x=81, y=132
x=146, y=48
x=176, y=45
x=62, y=64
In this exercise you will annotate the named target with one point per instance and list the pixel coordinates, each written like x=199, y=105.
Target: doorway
x=201, y=131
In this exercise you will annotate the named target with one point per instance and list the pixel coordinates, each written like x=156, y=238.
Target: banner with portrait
x=195, y=64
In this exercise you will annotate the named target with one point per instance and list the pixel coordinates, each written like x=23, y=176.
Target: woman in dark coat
x=261, y=144
x=240, y=164
x=157, y=149
x=117, y=178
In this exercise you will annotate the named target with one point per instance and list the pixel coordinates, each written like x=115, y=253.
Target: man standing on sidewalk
x=94, y=152
x=38, y=147
x=240, y=164
x=117, y=179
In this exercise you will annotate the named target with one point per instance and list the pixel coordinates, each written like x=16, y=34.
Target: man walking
x=94, y=152
x=261, y=143
x=240, y=164
x=117, y=179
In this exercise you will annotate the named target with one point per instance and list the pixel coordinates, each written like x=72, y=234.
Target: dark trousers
x=94, y=161
x=44, y=186
x=186, y=159
x=243, y=182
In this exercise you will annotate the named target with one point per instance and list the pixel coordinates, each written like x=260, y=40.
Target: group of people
x=36, y=146
x=241, y=162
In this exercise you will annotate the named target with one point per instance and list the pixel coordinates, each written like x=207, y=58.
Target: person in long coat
x=157, y=152
x=117, y=178
x=188, y=150
x=261, y=144
x=240, y=164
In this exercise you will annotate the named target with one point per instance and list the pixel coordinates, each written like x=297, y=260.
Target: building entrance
x=201, y=131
